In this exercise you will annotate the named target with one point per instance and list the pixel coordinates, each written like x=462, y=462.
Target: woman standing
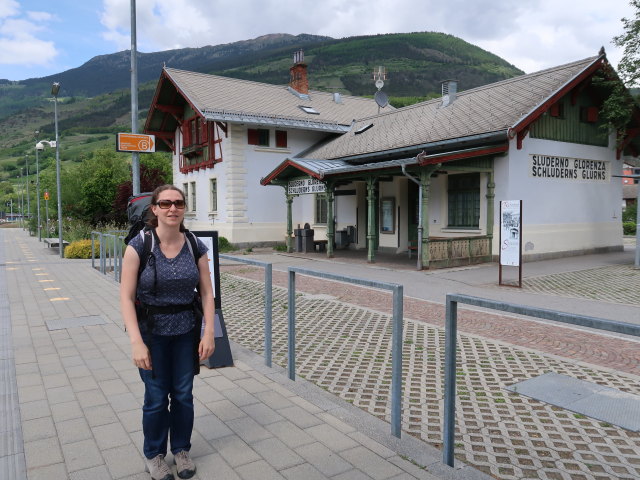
x=164, y=330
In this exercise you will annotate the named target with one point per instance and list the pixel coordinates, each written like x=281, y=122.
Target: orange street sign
x=46, y=195
x=135, y=142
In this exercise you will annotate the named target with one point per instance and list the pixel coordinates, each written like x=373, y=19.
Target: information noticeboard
x=222, y=355
x=511, y=237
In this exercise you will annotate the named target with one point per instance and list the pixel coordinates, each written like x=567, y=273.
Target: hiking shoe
x=158, y=468
x=184, y=464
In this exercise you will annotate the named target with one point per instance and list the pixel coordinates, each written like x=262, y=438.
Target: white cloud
x=40, y=16
x=531, y=35
x=19, y=42
x=8, y=8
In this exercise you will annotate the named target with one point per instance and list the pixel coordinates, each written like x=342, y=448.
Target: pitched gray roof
x=477, y=112
x=322, y=168
x=231, y=99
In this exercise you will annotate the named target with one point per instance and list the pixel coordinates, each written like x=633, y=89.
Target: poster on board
x=510, y=232
x=222, y=355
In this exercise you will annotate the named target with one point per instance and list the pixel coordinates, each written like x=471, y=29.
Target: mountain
x=94, y=98
x=106, y=73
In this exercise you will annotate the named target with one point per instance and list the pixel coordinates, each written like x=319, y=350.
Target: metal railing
x=268, y=302
x=111, y=247
x=396, y=340
x=451, y=322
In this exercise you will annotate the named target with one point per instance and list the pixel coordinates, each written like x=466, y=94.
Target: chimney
x=449, y=90
x=298, y=74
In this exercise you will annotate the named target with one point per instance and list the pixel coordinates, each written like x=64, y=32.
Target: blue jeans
x=171, y=378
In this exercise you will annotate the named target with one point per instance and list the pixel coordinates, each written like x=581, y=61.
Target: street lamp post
x=21, y=200
x=26, y=162
x=39, y=148
x=55, y=88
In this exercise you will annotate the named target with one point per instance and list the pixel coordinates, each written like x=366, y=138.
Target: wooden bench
x=321, y=244
x=54, y=242
x=412, y=248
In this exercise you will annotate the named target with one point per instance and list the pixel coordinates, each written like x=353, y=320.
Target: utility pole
x=21, y=199
x=135, y=156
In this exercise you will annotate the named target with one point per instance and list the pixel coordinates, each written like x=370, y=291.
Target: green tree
x=155, y=170
x=160, y=162
x=628, y=68
x=630, y=213
x=100, y=176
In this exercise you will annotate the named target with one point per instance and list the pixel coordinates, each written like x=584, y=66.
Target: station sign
x=135, y=142
x=305, y=185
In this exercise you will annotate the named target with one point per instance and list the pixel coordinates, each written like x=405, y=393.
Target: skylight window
x=309, y=110
x=363, y=129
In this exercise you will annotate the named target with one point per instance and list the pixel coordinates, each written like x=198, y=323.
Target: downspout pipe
x=416, y=181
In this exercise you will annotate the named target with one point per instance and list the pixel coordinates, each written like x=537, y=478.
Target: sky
x=40, y=38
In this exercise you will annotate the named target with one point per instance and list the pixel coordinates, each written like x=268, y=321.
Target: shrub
x=629, y=214
x=280, y=248
x=81, y=249
x=75, y=229
x=629, y=228
x=224, y=245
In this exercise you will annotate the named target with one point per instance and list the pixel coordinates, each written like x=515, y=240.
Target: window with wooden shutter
x=589, y=114
x=186, y=134
x=204, y=131
x=252, y=136
x=194, y=130
x=258, y=136
x=557, y=110
x=281, y=139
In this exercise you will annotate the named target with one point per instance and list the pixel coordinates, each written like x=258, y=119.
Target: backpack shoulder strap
x=192, y=243
x=148, y=243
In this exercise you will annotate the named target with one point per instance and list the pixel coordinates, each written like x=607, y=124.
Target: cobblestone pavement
x=502, y=433
x=618, y=283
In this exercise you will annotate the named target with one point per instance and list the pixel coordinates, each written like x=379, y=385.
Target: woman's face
x=171, y=216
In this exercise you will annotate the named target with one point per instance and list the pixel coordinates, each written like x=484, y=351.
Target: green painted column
x=371, y=219
x=425, y=185
x=331, y=224
x=289, y=221
x=491, y=186
x=490, y=204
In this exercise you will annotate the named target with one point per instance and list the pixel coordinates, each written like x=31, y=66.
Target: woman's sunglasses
x=166, y=204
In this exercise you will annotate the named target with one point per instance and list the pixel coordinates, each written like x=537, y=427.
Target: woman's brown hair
x=152, y=220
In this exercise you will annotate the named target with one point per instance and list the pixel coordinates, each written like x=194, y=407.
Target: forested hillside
x=95, y=102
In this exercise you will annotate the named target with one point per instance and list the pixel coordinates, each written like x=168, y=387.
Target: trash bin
x=342, y=238
x=345, y=236
x=298, y=234
x=307, y=238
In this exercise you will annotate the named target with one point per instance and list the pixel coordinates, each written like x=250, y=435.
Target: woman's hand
x=141, y=356
x=207, y=346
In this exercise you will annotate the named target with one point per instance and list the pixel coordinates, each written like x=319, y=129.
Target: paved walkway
x=70, y=397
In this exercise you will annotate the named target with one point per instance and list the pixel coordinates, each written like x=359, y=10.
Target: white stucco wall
x=560, y=215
